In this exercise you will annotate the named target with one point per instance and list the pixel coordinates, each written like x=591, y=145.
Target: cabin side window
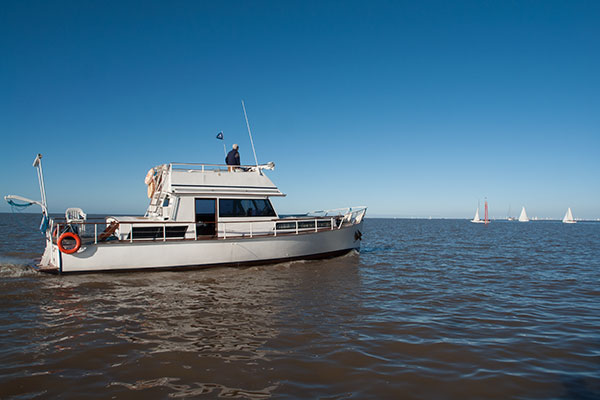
x=245, y=208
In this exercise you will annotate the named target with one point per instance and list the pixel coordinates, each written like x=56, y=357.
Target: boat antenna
x=249, y=133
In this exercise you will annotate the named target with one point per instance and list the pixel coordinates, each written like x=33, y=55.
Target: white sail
x=568, y=219
x=523, y=217
x=476, y=218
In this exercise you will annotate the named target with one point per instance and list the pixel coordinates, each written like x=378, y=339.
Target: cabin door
x=206, y=217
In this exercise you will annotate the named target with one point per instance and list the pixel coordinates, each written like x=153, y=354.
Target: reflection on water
x=429, y=309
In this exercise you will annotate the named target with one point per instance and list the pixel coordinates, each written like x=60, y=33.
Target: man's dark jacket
x=233, y=158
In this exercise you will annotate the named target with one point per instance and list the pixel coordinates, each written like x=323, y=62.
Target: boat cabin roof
x=218, y=180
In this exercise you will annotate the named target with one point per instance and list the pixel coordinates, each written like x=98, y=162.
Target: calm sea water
x=428, y=309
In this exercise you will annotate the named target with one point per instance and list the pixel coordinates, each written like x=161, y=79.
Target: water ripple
x=429, y=309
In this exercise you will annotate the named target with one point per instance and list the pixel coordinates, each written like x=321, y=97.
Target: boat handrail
x=219, y=167
x=337, y=211
x=101, y=221
x=225, y=229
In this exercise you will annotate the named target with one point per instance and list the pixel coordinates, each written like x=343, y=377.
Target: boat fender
x=72, y=236
x=358, y=235
x=149, y=180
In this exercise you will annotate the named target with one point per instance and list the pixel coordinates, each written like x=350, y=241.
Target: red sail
x=485, y=218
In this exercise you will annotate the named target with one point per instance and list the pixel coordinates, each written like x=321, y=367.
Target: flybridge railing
x=134, y=231
x=219, y=167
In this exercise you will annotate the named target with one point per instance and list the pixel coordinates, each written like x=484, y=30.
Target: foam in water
x=16, y=270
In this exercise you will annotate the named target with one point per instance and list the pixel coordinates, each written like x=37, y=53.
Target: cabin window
x=245, y=208
x=166, y=202
x=205, y=217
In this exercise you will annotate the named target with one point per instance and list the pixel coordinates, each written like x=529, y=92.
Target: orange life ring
x=72, y=236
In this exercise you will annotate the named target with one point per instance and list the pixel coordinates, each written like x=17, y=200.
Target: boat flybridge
x=199, y=215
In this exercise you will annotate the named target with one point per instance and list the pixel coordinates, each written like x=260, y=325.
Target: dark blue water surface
x=428, y=309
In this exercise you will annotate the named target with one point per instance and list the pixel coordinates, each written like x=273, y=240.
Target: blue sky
x=411, y=108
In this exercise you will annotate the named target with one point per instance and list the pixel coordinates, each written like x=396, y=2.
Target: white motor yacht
x=199, y=215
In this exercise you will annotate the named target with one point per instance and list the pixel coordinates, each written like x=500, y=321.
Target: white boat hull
x=183, y=254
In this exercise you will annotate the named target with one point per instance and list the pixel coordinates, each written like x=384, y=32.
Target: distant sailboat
x=509, y=217
x=478, y=220
x=523, y=217
x=568, y=219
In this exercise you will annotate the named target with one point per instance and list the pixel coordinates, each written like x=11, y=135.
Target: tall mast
x=249, y=133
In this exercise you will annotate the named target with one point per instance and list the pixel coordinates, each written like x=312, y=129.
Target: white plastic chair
x=76, y=216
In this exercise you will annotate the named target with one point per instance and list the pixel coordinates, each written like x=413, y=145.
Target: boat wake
x=16, y=270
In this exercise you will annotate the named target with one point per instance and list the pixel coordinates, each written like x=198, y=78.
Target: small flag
x=220, y=135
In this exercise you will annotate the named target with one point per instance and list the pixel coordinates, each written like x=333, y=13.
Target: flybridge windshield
x=245, y=208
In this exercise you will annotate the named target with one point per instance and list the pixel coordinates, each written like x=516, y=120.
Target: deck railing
x=146, y=230
x=350, y=213
x=218, y=167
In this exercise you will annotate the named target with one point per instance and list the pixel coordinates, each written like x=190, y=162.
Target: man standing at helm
x=233, y=157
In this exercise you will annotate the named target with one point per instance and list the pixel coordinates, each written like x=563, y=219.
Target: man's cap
x=235, y=146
